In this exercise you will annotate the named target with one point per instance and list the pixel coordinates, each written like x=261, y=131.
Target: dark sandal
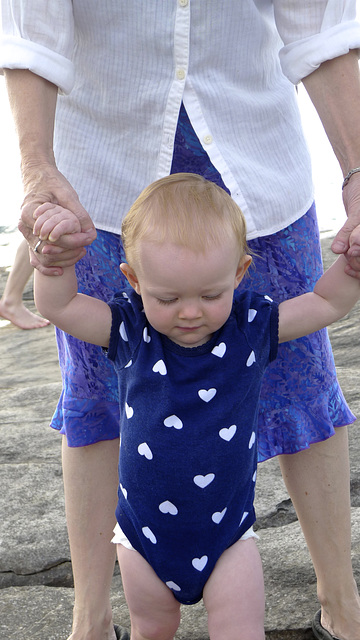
x=318, y=630
x=121, y=633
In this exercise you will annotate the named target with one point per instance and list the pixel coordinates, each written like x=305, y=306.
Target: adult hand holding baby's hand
x=45, y=184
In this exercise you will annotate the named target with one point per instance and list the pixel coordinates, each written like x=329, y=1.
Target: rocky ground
x=36, y=589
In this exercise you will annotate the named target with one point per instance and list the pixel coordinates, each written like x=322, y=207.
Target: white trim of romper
x=120, y=537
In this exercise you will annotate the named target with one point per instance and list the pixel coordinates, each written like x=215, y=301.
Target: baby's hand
x=53, y=221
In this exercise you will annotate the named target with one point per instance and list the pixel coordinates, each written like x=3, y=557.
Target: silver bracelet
x=347, y=178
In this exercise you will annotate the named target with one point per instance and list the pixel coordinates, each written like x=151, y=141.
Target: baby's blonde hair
x=185, y=209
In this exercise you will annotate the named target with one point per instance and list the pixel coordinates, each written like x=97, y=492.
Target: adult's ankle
x=86, y=627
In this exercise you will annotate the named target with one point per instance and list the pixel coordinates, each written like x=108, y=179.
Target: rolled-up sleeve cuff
x=299, y=59
x=18, y=53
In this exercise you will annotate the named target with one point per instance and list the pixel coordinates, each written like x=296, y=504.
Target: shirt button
x=180, y=74
x=183, y=3
x=207, y=139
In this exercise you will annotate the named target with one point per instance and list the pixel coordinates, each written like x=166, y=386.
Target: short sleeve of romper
x=189, y=437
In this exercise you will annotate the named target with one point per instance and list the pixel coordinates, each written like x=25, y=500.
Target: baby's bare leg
x=234, y=594
x=154, y=612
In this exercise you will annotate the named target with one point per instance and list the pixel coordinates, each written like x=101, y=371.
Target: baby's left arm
x=333, y=297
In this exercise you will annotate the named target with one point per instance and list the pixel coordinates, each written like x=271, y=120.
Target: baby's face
x=188, y=295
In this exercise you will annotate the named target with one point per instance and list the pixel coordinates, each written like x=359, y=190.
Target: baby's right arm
x=57, y=297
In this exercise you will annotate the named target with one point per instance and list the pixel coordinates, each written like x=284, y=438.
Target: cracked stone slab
x=44, y=613
x=33, y=538
x=33, y=535
x=25, y=414
x=286, y=562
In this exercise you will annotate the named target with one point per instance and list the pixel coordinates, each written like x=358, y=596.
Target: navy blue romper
x=188, y=447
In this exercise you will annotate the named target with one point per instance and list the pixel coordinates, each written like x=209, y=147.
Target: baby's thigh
x=234, y=594
x=154, y=612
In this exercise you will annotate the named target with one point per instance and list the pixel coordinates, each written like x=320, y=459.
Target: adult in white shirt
x=112, y=81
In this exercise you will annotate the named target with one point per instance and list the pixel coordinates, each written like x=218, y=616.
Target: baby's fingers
x=354, y=241
x=43, y=213
x=52, y=221
x=43, y=208
x=54, y=228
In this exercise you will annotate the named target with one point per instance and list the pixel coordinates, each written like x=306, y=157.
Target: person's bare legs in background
x=11, y=304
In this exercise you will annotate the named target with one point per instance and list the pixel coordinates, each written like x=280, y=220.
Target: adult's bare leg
x=90, y=482
x=318, y=481
x=11, y=305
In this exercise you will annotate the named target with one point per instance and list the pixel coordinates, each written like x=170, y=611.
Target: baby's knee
x=156, y=629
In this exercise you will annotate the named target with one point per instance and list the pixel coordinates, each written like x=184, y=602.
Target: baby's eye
x=215, y=297
x=165, y=301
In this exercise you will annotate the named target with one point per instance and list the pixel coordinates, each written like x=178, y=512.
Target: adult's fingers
x=52, y=264
x=72, y=241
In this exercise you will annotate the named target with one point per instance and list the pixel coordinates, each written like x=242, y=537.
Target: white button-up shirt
x=123, y=69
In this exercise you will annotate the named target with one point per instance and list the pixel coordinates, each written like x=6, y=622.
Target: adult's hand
x=347, y=240
x=33, y=105
x=45, y=183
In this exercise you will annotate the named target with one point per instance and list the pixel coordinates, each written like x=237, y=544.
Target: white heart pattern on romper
x=149, y=534
x=206, y=394
x=129, y=411
x=218, y=516
x=146, y=336
x=219, y=350
x=168, y=507
x=244, y=515
x=172, y=585
x=128, y=364
x=160, y=367
x=145, y=450
x=123, y=491
x=251, y=314
x=252, y=440
x=251, y=359
x=123, y=333
x=199, y=563
x=173, y=421
x=227, y=433
x=204, y=481
x=268, y=298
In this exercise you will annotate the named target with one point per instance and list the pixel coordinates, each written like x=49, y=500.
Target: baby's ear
x=130, y=275
x=243, y=266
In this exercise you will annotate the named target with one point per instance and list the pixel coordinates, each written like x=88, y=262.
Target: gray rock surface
x=36, y=594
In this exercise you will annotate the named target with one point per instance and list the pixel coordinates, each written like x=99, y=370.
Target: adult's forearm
x=33, y=104
x=334, y=89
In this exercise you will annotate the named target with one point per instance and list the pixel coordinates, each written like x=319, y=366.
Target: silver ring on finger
x=36, y=248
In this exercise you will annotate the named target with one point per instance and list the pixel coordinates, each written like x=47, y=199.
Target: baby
x=190, y=351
